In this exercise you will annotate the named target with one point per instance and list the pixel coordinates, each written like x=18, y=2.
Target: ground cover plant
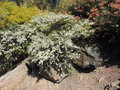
x=47, y=41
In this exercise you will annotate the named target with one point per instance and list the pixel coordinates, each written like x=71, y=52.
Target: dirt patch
x=100, y=79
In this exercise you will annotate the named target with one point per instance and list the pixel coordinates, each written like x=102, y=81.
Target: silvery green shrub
x=13, y=45
x=52, y=46
x=47, y=41
x=65, y=25
x=56, y=52
x=12, y=48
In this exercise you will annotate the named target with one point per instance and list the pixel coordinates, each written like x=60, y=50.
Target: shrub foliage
x=105, y=14
x=47, y=41
x=10, y=13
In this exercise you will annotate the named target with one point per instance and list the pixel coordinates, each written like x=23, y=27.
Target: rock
x=102, y=79
x=89, y=57
x=116, y=84
x=113, y=86
x=93, y=52
x=53, y=75
x=12, y=78
x=50, y=74
x=84, y=60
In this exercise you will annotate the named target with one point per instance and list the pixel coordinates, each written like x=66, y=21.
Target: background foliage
x=104, y=13
x=10, y=13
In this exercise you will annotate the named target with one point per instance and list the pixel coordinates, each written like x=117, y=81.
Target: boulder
x=89, y=57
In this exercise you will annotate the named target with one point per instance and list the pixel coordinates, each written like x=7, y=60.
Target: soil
x=102, y=78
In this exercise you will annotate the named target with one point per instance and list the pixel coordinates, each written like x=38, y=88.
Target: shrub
x=64, y=5
x=42, y=4
x=30, y=3
x=96, y=10
x=46, y=4
x=53, y=45
x=105, y=14
x=12, y=48
x=47, y=41
x=10, y=13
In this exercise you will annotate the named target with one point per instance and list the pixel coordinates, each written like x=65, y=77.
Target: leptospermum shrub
x=47, y=41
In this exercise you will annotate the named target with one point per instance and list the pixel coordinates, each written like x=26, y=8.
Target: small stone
x=101, y=79
x=115, y=84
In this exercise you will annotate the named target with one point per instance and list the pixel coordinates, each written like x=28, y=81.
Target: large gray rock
x=93, y=52
x=89, y=57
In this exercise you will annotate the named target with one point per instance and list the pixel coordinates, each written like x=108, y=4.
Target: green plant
x=53, y=45
x=64, y=5
x=12, y=48
x=42, y=4
x=47, y=41
x=10, y=13
x=95, y=10
x=104, y=13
